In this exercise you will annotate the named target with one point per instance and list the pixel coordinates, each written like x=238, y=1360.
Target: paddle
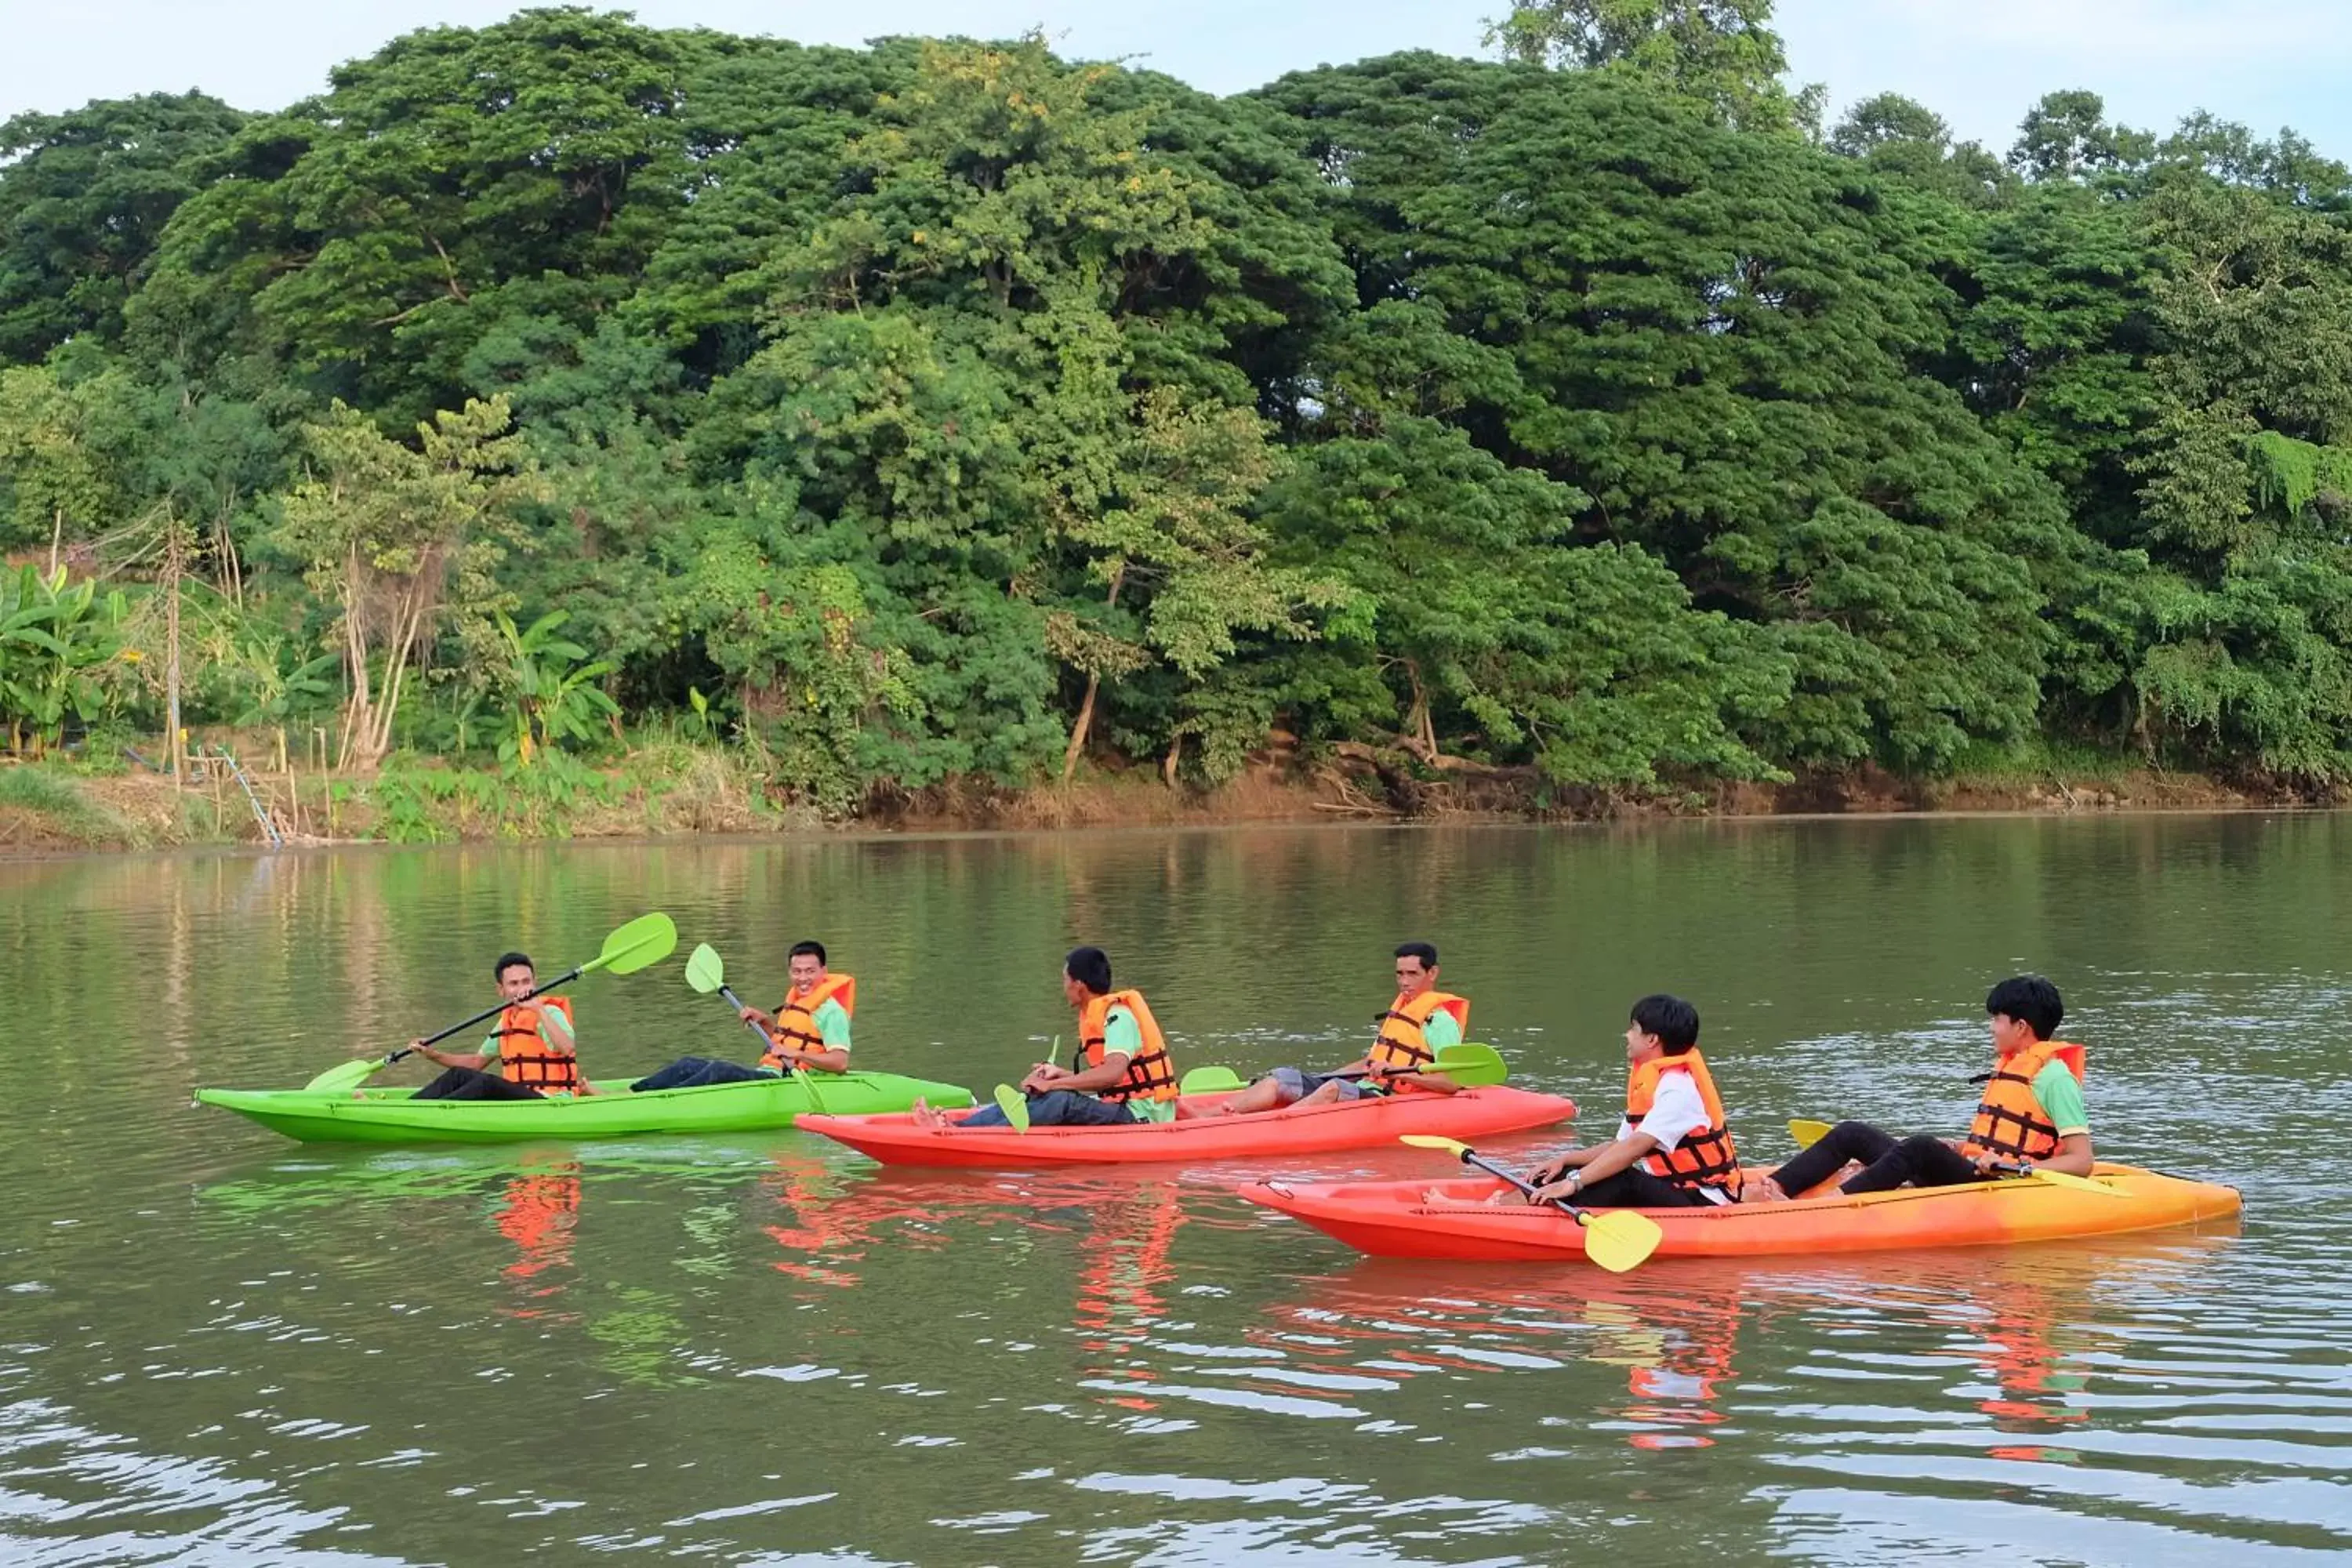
x=1012, y=1102
x=647, y=940
x=1808, y=1134
x=1471, y=1066
x=1210, y=1081
x=706, y=973
x=1617, y=1239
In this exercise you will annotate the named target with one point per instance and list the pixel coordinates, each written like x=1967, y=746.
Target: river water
x=220, y=1347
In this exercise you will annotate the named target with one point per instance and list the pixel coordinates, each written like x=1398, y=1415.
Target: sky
x=1979, y=63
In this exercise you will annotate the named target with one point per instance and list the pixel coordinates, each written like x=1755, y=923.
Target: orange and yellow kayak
x=1297, y=1129
x=1452, y=1219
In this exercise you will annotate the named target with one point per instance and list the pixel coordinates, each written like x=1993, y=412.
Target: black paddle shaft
x=1526, y=1188
x=563, y=979
x=737, y=1003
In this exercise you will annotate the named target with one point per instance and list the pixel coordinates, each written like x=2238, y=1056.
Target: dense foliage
x=944, y=410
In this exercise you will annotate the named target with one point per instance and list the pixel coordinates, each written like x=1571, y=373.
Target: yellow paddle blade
x=1431, y=1140
x=1808, y=1134
x=1210, y=1081
x=1620, y=1239
x=2075, y=1184
x=1015, y=1106
x=705, y=970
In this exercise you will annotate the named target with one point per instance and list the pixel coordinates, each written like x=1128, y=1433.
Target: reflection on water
x=218, y=1347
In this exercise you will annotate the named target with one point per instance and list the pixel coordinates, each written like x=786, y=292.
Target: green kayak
x=395, y=1116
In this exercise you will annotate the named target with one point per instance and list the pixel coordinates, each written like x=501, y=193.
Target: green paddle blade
x=1015, y=1106
x=704, y=970
x=1808, y=1134
x=647, y=940
x=1209, y=1080
x=1472, y=1066
x=1618, y=1239
x=345, y=1075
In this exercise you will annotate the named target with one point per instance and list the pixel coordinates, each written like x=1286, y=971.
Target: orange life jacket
x=1702, y=1158
x=795, y=1025
x=524, y=1055
x=2009, y=1121
x=1402, y=1044
x=1150, y=1074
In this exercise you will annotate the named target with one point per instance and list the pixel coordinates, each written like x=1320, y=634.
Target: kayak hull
x=394, y=1116
x=1297, y=1129
x=1450, y=1219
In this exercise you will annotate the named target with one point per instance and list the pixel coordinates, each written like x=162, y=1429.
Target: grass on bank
x=42, y=808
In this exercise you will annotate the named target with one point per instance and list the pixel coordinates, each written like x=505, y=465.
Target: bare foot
x=1761, y=1190
x=927, y=1119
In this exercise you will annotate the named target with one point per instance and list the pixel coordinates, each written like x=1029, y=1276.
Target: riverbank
x=672, y=789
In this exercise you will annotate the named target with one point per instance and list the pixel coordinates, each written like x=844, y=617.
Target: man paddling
x=1420, y=1022
x=1124, y=1072
x=2032, y=1115
x=1673, y=1150
x=529, y=1054
x=809, y=1030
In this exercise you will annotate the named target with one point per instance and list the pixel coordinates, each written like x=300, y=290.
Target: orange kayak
x=1450, y=1219
x=1299, y=1129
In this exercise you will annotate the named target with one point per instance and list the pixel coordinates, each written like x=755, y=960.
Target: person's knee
x=1918, y=1144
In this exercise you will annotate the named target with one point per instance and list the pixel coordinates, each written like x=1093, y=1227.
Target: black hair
x=507, y=960
x=815, y=949
x=1422, y=951
x=2032, y=1000
x=1090, y=967
x=1672, y=1019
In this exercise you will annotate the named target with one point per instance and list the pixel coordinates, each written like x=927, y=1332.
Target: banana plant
x=54, y=640
x=548, y=686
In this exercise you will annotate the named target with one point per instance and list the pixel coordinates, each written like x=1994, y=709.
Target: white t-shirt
x=1675, y=1112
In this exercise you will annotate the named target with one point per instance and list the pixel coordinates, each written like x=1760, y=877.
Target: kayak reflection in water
x=1124, y=1072
x=1420, y=1022
x=529, y=1054
x=808, y=1030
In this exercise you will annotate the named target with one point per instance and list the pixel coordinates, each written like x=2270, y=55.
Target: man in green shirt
x=1420, y=1022
x=2032, y=1115
x=1122, y=1071
x=809, y=1030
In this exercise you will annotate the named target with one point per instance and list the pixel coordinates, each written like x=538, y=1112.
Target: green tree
x=2066, y=136
x=1904, y=139
x=1000, y=362
x=401, y=542
x=1713, y=336
x=1723, y=53
x=54, y=482
x=1479, y=627
x=457, y=179
x=812, y=676
x=84, y=197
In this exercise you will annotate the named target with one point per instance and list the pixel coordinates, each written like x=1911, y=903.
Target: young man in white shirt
x=1673, y=1149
